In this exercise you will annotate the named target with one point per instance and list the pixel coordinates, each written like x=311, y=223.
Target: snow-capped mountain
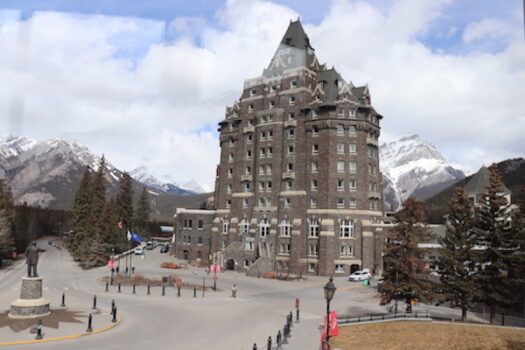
x=164, y=183
x=47, y=173
x=413, y=167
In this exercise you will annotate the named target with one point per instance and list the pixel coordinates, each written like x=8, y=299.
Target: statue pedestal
x=30, y=304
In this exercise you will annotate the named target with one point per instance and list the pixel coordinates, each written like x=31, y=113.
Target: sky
x=146, y=82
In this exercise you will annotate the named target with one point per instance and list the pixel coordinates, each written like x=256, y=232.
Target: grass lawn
x=427, y=336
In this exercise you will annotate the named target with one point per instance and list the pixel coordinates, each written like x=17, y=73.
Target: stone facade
x=298, y=181
x=193, y=234
x=30, y=304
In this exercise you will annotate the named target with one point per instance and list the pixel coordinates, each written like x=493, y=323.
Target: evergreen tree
x=403, y=263
x=142, y=213
x=7, y=243
x=98, y=191
x=456, y=263
x=78, y=239
x=96, y=254
x=494, y=231
x=125, y=201
x=517, y=259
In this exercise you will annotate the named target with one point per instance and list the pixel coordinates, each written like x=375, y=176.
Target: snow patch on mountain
x=413, y=167
x=164, y=183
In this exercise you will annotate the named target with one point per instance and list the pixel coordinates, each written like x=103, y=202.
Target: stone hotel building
x=298, y=188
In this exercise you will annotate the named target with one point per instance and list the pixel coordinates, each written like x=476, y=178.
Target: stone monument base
x=30, y=304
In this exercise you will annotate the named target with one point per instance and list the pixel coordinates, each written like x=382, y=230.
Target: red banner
x=112, y=264
x=334, y=327
x=215, y=268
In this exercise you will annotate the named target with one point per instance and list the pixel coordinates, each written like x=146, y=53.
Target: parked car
x=165, y=248
x=360, y=275
x=151, y=245
x=139, y=251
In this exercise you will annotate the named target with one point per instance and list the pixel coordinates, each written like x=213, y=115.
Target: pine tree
x=7, y=242
x=142, y=213
x=403, y=263
x=456, y=263
x=98, y=191
x=516, y=260
x=78, y=239
x=125, y=201
x=96, y=254
x=494, y=231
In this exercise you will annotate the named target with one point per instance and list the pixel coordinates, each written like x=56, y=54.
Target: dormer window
x=273, y=88
x=292, y=100
x=272, y=104
x=250, y=108
x=352, y=113
x=294, y=84
x=253, y=92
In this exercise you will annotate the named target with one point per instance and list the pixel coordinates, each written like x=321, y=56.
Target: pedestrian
x=132, y=268
x=234, y=291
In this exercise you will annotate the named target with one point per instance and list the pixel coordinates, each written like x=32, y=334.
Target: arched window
x=285, y=228
x=347, y=228
x=346, y=250
x=244, y=226
x=313, y=228
x=264, y=228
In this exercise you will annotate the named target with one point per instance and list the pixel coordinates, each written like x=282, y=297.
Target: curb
x=119, y=320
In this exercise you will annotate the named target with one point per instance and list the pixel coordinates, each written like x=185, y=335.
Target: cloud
x=487, y=28
x=142, y=91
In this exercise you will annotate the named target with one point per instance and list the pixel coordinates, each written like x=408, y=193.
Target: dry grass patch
x=427, y=336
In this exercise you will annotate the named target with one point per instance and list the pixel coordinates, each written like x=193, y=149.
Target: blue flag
x=136, y=238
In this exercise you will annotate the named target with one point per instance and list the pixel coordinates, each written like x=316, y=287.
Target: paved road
x=216, y=321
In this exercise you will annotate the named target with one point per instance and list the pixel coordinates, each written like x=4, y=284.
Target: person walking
x=234, y=291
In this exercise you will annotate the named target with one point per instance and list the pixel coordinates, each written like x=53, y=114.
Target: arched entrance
x=230, y=264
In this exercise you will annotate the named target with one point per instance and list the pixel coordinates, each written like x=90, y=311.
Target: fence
x=383, y=317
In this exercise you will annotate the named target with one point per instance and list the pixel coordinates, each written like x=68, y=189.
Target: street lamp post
x=329, y=290
x=214, y=272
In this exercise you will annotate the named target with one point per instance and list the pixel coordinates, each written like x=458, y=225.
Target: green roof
x=295, y=36
x=480, y=181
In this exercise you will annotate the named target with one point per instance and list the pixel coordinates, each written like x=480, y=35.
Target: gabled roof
x=296, y=37
x=480, y=181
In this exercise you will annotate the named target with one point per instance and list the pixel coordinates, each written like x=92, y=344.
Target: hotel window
x=290, y=150
x=245, y=203
x=199, y=240
x=272, y=104
x=284, y=248
x=261, y=186
x=352, y=185
x=248, y=170
x=287, y=202
x=264, y=228
x=263, y=135
x=340, y=148
x=340, y=166
x=273, y=88
x=352, y=130
x=352, y=166
x=269, y=186
x=269, y=151
x=353, y=203
x=250, y=108
x=346, y=250
x=315, y=130
x=313, y=203
x=352, y=113
x=249, y=138
x=314, y=115
x=285, y=228
x=250, y=122
x=289, y=184
x=229, y=188
x=340, y=129
x=262, y=152
x=225, y=225
x=270, y=118
x=315, y=148
x=315, y=167
x=339, y=268
x=291, y=116
x=347, y=228
x=289, y=167
x=200, y=225
x=340, y=113
x=291, y=101
x=247, y=186
x=230, y=172
x=249, y=245
x=231, y=143
x=249, y=154
x=291, y=133
x=261, y=169
x=340, y=185
x=294, y=84
x=244, y=226
x=230, y=157
x=312, y=249
x=270, y=134
x=352, y=148
x=313, y=228
x=312, y=267
x=268, y=169
x=313, y=185
x=340, y=203
x=253, y=92
x=262, y=202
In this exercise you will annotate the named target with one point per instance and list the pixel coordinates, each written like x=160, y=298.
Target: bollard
x=119, y=287
x=94, y=302
x=194, y=292
x=178, y=291
x=107, y=286
x=278, y=340
x=63, y=300
x=203, y=286
x=111, y=280
x=163, y=290
x=291, y=319
x=39, y=333
x=90, y=323
x=370, y=317
x=114, y=311
x=134, y=289
x=297, y=316
x=269, y=344
x=254, y=346
x=112, y=305
x=149, y=287
x=284, y=340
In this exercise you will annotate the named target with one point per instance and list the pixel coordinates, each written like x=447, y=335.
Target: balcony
x=289, y=175
x=246, y=178
x=372, y=194
x=371, y=141
x=289, y=123
x=248, y=129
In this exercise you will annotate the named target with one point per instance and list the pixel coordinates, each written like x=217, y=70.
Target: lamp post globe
x=329, y=291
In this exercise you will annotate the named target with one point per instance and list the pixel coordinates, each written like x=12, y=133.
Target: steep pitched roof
x=480, y=181
x=295, y=36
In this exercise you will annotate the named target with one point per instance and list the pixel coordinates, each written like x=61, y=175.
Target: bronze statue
x=32, y=259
